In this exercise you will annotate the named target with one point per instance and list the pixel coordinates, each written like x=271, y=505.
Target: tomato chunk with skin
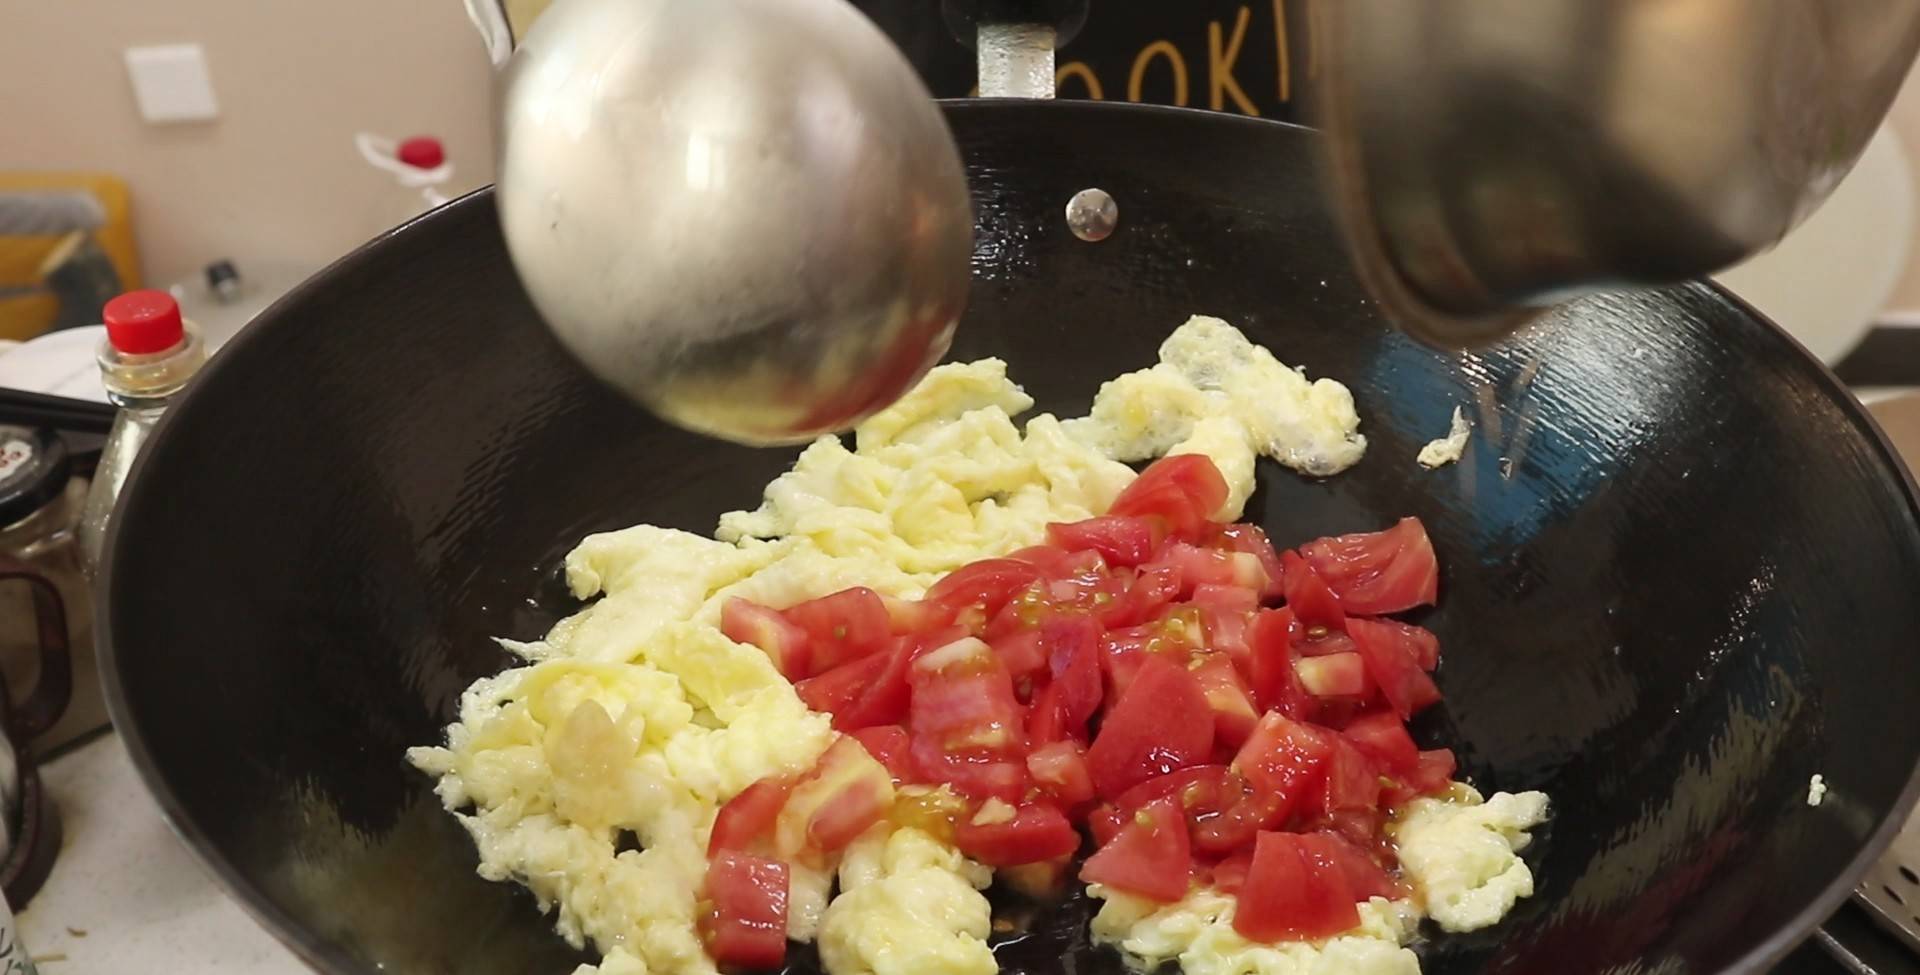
x=1149, y=857
x=782, y=641
x=988, y=584
x=1313, y=603
x=1365, y=878
x=838, y=689
x=1027, y=834
x=1160, y=723
x=746, y=821
x=1149, y=591
x=747, y=925
x=1233, y=712
x=1060, y=767
x=1104, y=822
x=1418, y=642
x=1352, y=779
x=1392, y=665
x=1073, y=659
x=888, y=744
x=1184, y=491
x=1285, y=758
x=1384, y=738
x=1119, y=540
x=1270, y=670
x=843, y=626
x=846, y=791
x=1252, y=539
x=1379, y=572
x=1292, y=893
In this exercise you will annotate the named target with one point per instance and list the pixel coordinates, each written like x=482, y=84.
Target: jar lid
x=33, y=471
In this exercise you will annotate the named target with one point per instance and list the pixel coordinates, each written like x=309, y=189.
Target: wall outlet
x=171, y=83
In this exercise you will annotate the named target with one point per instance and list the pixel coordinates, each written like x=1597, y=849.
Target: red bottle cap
x=422, y=152
x=144, y=322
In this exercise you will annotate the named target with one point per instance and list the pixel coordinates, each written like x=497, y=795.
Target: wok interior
x=1678, y=565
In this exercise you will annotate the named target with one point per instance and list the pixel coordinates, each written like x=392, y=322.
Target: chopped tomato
x=1290, y=893
x=1104, y=823
x=888, y=745
x=748, y=922
x=1321, y=642
x=1073, y=659
x=1119, y=539
x=1284, y=757
x=783, y=642
x=1051, y=561
x=1381, y=736
x=1214, y=567
x=962, y=698
x=1227, y=632
x=1150, y=857
x=884, y=699
x=1312, y=602
x=1392, y=665
x=1353, y=780
x=1183, y=491
x=1270, y=670
x=1418, y=642
x=1234, y=826
x=1021, y=653
x=1160, y=723
x=837, y=690
x=1060, y=767
x=747, y=819
x=1226, y=597
x=1364, y=877
x=1227, y=696
x=976, y=774
x=1145, y=595
x=987, y=585
x=1379, y=572
x=1195, y=787
x=1046, y=716
x=1230, y=875
x=846, y=625
x=909, y=615
x=846, y=791
x=1434, y=771
x=1333, y=675
x=1028, y=834
x=1252, y=540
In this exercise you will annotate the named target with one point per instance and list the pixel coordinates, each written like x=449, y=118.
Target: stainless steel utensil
x=748, y=215
x=1494, y=156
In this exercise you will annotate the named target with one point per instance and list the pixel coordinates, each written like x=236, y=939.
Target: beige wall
x=275, y=178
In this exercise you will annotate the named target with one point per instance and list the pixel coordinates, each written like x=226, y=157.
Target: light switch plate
x=171, y=83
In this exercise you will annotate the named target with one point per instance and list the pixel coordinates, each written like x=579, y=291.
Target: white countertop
x=125, y=894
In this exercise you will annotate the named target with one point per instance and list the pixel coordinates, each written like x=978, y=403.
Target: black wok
x=1680, y=562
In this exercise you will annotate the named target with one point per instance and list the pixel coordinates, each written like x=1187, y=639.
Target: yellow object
x=21, y=258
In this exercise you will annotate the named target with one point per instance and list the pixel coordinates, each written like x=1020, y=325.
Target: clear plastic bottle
x=148, y=357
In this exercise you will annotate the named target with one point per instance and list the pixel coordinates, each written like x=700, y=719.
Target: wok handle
x=51, y=693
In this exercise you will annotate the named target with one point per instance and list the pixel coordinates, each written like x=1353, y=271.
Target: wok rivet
x=1092, y=214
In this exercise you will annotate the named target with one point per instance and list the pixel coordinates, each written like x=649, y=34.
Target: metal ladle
x=748, y=215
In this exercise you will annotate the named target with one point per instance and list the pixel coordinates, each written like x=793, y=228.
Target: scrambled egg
x=1198, y=933
x=1462, y=854
x=1447, y=449
x=637, y=716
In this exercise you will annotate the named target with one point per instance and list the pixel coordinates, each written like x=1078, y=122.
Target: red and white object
x=419, y=164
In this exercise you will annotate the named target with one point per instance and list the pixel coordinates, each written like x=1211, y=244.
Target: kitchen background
x=269, y=177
